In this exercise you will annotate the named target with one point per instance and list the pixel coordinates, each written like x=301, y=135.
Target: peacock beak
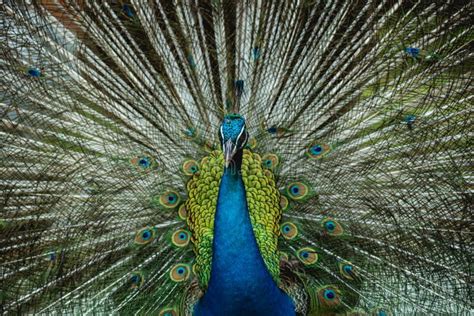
x=229, y=151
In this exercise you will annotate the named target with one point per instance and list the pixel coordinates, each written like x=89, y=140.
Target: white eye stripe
x=240, y=134
x=222, y=135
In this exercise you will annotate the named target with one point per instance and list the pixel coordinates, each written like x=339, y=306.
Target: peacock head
x=233, y=136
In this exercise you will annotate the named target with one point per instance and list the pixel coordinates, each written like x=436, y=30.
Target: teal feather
x=108, y=108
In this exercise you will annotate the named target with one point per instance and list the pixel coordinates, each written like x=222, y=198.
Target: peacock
x=217, y=157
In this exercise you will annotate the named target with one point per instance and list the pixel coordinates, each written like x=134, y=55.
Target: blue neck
x=240, y=283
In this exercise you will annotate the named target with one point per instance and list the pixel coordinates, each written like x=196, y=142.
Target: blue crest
x=232, y=127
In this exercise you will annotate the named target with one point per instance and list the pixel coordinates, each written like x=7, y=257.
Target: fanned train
x=214, y=157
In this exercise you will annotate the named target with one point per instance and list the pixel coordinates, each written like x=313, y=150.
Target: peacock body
x=236, y=157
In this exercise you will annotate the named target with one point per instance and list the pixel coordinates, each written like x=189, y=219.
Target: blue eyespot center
x=144, y=162
x=146, y=235
x=272, y=130
x=34, y=72
x=295, y=189
x=135, y=278
x=305, y=254
x=329, y=294
x=330, y=226
x=348, y=268
x=256, y=52
x=316, y=149
x=286, y=228
x=412, y=51
x=180, y=270
x=410, y=118
x=182, y=236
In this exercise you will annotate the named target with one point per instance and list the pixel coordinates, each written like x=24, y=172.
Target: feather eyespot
x=182, y=211
x=52, y=255
x=191, y=133
x=35, y=72
x=144, y=235
x=347, y=270
x=307, y=255
x=181, y=238
x=412, y=51
x=272, y=130
x=190, y=167
x=143, y=163
x=136, y=279
x=381, y=312
x=256, y=52
x=289, y=230
x=332, y=227
x=169, y=199
x=270, y=161
x=284, y=202
x=168, y=311
x=252, y=143
x=329, y=296
x=297, y=191
x=180, y=272
x=318, y=150
x=127, y=10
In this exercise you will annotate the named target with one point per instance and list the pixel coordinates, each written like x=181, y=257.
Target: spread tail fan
x=355, y=154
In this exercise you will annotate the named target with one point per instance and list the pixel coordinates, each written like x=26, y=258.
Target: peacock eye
x=328, y=297
x=270, y=161
x=289, y=231
x=137, y=279
x=307, y=255
x=180, y=272
x=297, y=190
x=144, y=236
x=329, y=294
x=144, y=162
x=346, y=269
x=190, y=167
x=181, y=238
x=284, y=203
x=169, y=199
x=318, y=150
x=168, y=312
x=332, y=227
x=182, y=212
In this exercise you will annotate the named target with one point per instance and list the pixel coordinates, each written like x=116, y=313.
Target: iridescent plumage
x=122, y=122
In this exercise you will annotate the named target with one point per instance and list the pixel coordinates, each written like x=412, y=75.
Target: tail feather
x=365, y=105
